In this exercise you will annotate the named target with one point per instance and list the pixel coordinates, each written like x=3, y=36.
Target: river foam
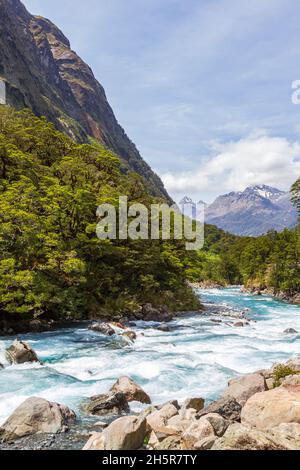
x=196, y=358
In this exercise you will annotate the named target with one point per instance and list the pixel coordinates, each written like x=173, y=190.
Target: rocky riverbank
x=291, y=297
x=257, y=411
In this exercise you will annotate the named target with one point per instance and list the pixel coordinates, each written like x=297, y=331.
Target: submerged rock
x=20, y=352
x=131, y=390
x=112, y=403
x=37, y=416
x=268, y=409
x=103, y=328
x=131, y=335
x=290, y=331
x=126, y=433
x=242, y=388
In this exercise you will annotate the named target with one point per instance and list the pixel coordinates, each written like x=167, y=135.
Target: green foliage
x=51, y=262
x=280, y=372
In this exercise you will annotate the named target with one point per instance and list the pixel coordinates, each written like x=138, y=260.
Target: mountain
x=254, y=211
x=42, y=72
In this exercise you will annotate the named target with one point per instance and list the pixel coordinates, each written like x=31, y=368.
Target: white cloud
x=258, y=158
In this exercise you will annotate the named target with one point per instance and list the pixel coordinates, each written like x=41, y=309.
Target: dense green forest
x=51, y=261
x=53, y=264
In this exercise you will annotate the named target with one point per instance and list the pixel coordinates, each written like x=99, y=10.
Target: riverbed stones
x=37, y=416
x=101, y=327
x=110, y=403
x=268, y=409
x=131, y=390
x=127, y=433
x=20, y=352
x=227, y=407
x=242, y=388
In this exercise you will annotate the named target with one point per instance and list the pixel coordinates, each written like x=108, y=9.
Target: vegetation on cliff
x=51, y=261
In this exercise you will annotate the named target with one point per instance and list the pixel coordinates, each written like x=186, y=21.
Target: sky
x=203, y=87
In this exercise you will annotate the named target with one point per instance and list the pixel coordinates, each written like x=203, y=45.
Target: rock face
x=37, y=416
x=268, y=409
x=244, y=387
x=43, y=73
x=112, y=403
x=131, y=390
x=126, y=433
x=20, y=352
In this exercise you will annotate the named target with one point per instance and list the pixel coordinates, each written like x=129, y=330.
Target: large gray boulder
x=20, y=352
x=37, y=416
x=127, y=433
x=104, y=328
x=227, y=407
x=111, y=403
x=242, y=388
x=131, y=390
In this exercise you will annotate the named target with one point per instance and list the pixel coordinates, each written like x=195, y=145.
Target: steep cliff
x=43, y=73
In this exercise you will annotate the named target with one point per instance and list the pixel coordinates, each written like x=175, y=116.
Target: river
x=196, y=358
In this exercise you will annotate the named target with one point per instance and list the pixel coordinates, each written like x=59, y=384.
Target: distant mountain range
x=254, y=211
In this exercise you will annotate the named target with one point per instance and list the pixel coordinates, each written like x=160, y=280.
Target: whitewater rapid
x=196, y=358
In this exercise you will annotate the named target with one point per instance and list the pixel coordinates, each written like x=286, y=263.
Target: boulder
x=206, y=443
x=20, y=352
x=112, y=403
x=196, y=432
x=238, y=324
x=218, y=423
x=242, y=388
x=164, y=327
x=290, y=331
x=160, y=314
x=131, y=390
x=268, y=409
x=171, y=443
x=227, y=407
x=294, y=363
x=37, y=416
x=290, y=380
x=159, y=418
x=195, y=403
x=131, y=335
x=240, y=437
x=178, y=424
x=127, y=433
x=103, y=328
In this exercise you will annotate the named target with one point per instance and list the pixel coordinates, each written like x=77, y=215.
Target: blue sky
x=203, y=87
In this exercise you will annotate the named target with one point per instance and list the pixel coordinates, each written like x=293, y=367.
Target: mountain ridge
x=43, y=73
x=252, y=212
